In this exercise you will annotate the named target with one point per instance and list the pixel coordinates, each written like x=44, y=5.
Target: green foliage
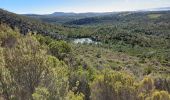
x=40, y=94
x=44, y=39
x=154, y=16
x=160, y=95
x=147, y=85
x=112, y=84
x=28, y=72
x=57, y=79
x=148, y=70
x=26, y=25
x=122, y=86
x=6, y=88
x=79, y=82
x=29, y=67
x=72, y=96
x=38, y=67
x=59, y=49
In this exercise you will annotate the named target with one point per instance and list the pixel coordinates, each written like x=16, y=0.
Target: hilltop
x=62, y=17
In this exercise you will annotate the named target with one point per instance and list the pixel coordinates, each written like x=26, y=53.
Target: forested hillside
x=26, y=24
x=129, y=61
x=125, y=18
x=61, y=17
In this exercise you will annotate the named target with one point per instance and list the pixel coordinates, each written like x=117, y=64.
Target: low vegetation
x=129, y=63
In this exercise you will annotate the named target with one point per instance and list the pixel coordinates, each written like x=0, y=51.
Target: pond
x=85, y=40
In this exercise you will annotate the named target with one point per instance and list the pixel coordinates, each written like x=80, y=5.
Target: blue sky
x=50, y=6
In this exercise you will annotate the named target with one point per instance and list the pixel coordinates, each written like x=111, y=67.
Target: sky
x=50, y=6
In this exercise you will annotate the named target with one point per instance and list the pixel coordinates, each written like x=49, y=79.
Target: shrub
x=41, y=93
x=112, y=84
x=160, y=95
x=72, y=96
x=59, y=49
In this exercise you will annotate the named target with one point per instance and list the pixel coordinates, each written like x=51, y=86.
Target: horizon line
x=116, y=11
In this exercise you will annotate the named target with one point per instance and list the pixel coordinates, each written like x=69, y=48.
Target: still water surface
x=85, y=40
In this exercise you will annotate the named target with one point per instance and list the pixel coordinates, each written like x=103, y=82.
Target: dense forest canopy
x=40, y=61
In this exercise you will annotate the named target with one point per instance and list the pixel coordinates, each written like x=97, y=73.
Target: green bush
x=112, y=84
x=160, y=95
x=59, y=49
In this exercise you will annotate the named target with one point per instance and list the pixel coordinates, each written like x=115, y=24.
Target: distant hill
x=125, y=17
x=159, y=9
x=88, y=14
x=62, y=17
x=62, y=14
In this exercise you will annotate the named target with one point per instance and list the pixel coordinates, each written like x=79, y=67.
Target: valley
x=85, y=56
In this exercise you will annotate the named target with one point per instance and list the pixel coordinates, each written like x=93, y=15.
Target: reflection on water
x=85, y=40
